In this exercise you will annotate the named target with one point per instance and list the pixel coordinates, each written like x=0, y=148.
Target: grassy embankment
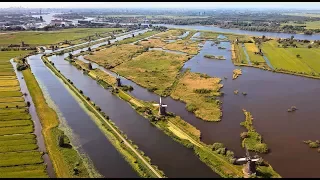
x=157, y=74
x=187, y=135
x=199, y=92
x=252, y=139
x=51, y=37
x=19, y=155
x=134, y=156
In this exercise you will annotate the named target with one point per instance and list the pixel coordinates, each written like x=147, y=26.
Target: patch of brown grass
x=205, y=105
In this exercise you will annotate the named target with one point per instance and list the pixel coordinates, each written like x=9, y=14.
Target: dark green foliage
x=217, y=145
x=202, y=91
x=21, y=67
x=191, y=107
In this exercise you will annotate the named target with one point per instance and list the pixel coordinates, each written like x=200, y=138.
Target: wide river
x=171, y=157
x=269, y=97
x=238, y=31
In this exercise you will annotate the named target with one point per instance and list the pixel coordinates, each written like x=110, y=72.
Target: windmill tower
x=250, y=167
x=118, y=81
x=162, y=108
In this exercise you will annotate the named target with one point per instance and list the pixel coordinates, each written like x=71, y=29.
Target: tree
x=263, y=36
x=309, y=46
x=132, y=35
x=70, y=56
x=61, y=140
x=291, y=37
x=89, y=66
x=298, y=55
x=28, y=104
x=89, y=49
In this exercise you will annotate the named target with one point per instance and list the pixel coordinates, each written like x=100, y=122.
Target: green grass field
x=308, y=56
x=251, y=48
x=18, y=147
x=115, y=55
x=282, y=58
x=155, y=70
x=50, y=37
x=308, y=24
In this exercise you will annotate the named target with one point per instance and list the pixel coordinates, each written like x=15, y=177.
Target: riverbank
x=252, y=140
x=132, y=154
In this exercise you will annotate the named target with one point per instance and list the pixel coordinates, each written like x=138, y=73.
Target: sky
x=187, y=5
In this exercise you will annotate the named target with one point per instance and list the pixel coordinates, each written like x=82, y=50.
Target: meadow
x=286, y=58
x=152, y=43
x=18, y=145
x=157, y=73
x=184, y=45
x=170, y=34
x=115, y=55
x=50, y=37
x=308, y=24
x=199, y=92
x=251, y=49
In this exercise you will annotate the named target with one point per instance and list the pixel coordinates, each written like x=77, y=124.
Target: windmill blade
x=160, y=99
x=156, y=104
x=254, y=160
x=164, y=105
x=241, y=159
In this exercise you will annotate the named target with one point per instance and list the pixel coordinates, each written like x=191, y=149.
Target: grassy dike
x=134, y=156
x=182, y=132
x=63, y=159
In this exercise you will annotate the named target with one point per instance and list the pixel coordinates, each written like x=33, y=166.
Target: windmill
x=118, y=81
x=250, y=166
x=162, y=108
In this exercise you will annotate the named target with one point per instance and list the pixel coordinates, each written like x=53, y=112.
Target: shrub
x=232, y=160
x=61, y=140
x=221, y=151
x=28, y=103
x=202, y=91
x=313, y=145
x=229, y=154
x=80, y=91
x=98, y=108
x=88, y=99
x=191, y=107
x=217, y=145
x=244, y=135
